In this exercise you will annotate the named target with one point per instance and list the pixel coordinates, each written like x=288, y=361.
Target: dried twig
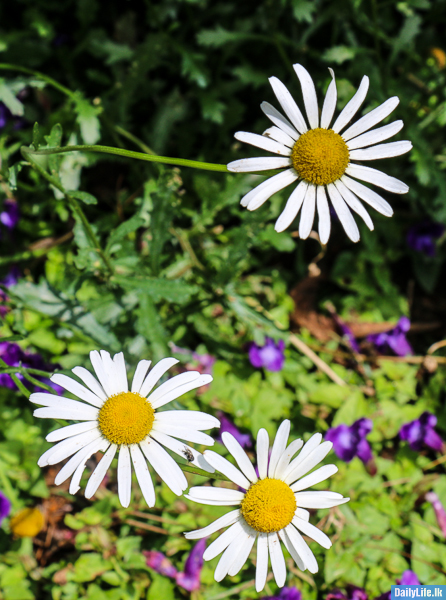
x=320, y=364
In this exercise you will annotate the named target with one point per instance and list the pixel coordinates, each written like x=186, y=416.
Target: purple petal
x=5, y=507
x=10, y=214
x=244, y=439
x=409, y=578
x=159, y=563
x=363, y=451
x=254, y=356
x=440, y=512
x=344, y=442
x=270, y=356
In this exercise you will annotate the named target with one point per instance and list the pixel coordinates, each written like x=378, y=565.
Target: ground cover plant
x=276, y=322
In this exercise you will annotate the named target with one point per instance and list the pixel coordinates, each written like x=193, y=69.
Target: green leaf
x=339, y=54
x=89, y=566
x=124, y=229
x=219, y=37
x=87, y=118
x=174, y=291
x=84, y=197
x=9, y=99
x=161, y=588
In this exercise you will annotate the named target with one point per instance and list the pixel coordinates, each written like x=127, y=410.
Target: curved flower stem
x=197, y=471
x=74, y=204
x=41, y=76
x=180, y=162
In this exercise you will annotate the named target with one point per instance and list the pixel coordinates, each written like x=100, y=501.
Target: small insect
x=188, y=454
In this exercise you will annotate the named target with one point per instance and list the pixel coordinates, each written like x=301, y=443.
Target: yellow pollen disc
x=126, y=418
x=269, y=505
x=320, y=156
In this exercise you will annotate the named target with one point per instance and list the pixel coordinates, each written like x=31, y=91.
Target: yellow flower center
x=126, y=418
x=320, y=156
x=269, y=505
x=27, y=522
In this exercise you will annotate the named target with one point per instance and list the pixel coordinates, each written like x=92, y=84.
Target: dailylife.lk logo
x=418, y=591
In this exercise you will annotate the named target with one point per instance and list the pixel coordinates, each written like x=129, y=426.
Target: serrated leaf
x=158, y=289
x=124, y=229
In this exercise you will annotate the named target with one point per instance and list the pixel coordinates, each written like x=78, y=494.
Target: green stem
x=38, y=383
x=42, y=76
x=198, y=471
x=180, y=162
x=74, y=205
x=17, y=381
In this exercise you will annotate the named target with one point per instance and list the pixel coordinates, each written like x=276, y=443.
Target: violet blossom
x=352, y=593
x=420, y=433
x=439, y=510
x=13, y=355
x=394, y=340
x=244, y=439
x=421, y=237
x=269, y=356
x=189, y=579
x=350, y=441
x=346, y=333
x=5, y=507
x=10, y=215
x=286, y=593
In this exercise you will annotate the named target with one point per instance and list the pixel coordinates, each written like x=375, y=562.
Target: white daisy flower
x=129, y=420
x=321, y=157
x=271, y=509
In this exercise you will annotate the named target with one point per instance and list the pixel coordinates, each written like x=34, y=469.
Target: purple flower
x=160, y=563
x=346, y=333
x=440, y=512
x=10, y=214
x=352, y=593
x=5, y=507
x=421, y=237
x=244, y=439
x=420, y=432
x=393, y=340
x=286, y=593
x=270, y=356
x=408, y=578
x=13, y=355
x=189, y=579
x=350, y=441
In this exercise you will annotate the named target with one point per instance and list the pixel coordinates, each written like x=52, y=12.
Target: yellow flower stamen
x=269, y=505
x=320, y=156
x=27, y=522
x=126, y=418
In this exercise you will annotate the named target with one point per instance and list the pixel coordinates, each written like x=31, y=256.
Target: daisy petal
x=391, y=184
x=240, y=456
x=242, y=551
x=224, y=466
x=375, y=136
x=277, y=559
x=99, y=473
x=229, y=556
x=352, y=107
x=180, y=390
x=67, y=447
x=275, y=133
x=143, y=474
x=140, y=373
x=172, y=383
x=302, y=514
x=291, y=549
x=180, y=448
x=316, y=477
x=155, y=375
x=343, y=212
x=124, y=476
x=264, y=163
x=313, y=532
x=286, y=457
x=262, y=561
x=371, y=119
x=279, y=446
x=164, y=465
x=77, y=475
x=260, y=194
x=382, y=151
x=184, y=433
x=319, y=499
x=77, y=389
x=279, y=120
x=101, y=373
x=310, y=462
x=308, y=448
x=224, y=521
x=262, y=453
x=368, y=195
x=112, y=374
x=292, y=207
x=65, y=413
x=69, y=467
x=323, y=212
x=70, y=430
x=90, y=381
x=60, y=402
x=261, y=141
x=329, y=103
x=354, y=203
x=288, y=104
x=120, y=372
x=216, y=494
x=223, y=541
x=307, y=216
x=302, y=549
x=195, y=418
x=309, y=95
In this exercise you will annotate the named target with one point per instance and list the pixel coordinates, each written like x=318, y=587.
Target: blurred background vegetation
x=182, y=263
